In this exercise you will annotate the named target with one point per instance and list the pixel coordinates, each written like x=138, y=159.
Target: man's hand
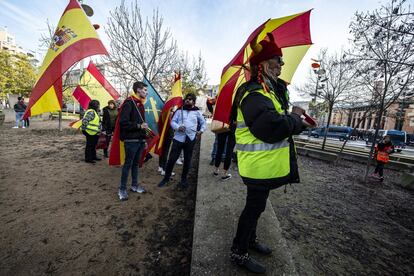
x=181, y=128
x=298, y=110
x=199, y=134
x=144, y=125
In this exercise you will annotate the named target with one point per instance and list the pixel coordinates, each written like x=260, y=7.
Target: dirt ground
x=338, y=225
x=60, y=215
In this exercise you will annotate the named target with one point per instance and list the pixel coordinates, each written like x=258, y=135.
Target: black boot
x=244, y=260
x=260, y=247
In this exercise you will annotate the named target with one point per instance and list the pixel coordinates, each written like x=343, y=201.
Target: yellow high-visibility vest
x=92, y=128
x=257, y=159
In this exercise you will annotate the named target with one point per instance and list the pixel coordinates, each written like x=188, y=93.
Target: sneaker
x=226, y=177
x=90, y=161
x=162, y=183
x=245, y=261
x=160, y=169
x=215, y=173
x=381, y=178
x=23, y=127
x=138, y=189
x=97, y=159
x=179, y=162
x=374, y=175
x=163, y=173
x=15, y=127
x=123, y=195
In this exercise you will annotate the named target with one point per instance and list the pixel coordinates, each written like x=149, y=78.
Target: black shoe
x=183, y=184
x=245, y=261
x=162, y=183
x=147, y=157
x=260, y=248
x=90, y=161
x=97, y=159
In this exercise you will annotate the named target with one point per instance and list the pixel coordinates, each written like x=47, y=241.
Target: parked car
x=410, y=140
x=340, y=132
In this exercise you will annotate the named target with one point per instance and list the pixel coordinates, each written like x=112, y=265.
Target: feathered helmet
x=266, y=49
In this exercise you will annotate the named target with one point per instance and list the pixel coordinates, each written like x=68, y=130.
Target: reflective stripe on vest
x=257, y=159
x=262, y=146
x=92, y=128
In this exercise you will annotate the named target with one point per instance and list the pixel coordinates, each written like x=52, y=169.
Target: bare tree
x=193, y=73
x=140, y=48
x=383, y=46
x=337, y=77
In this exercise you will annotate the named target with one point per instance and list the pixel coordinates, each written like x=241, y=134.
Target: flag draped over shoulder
x=153, y=106
x=117, y=152
x=94, y=86
x=74, y=39
x=174, y=101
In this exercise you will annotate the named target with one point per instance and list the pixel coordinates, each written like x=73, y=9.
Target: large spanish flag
x=75, y=38
x=174, y=101
x=94, y=86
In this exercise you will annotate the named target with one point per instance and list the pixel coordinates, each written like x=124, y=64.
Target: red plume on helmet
x=264, y=50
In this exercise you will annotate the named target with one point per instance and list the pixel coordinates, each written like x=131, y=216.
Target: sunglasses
x=279, y=59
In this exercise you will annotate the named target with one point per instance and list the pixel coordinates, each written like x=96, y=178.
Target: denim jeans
x=19, y=116
x=133, y=151
x=214, y=150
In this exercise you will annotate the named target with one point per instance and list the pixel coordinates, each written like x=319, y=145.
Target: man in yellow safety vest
x=265, y=151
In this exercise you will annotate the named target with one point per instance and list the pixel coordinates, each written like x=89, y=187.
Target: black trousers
x=246, y=228
x=223, y=139
x=379, y=168
x=108, y=141
x=90, y=149
x=176, y=149
x=162, y=161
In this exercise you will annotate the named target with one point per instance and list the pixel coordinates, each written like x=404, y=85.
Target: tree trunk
x=60, y=121
x=327, y=126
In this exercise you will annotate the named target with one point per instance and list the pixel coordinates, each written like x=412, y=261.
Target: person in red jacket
x=382, y=155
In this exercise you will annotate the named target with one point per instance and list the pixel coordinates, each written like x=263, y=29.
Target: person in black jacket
x=265, y=150
x=133, y=131
x=19, y=108
x=110, y=113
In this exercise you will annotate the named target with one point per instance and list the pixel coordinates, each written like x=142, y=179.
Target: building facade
x=399, y=115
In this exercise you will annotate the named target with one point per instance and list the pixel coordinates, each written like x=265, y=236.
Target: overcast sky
x=216, y=29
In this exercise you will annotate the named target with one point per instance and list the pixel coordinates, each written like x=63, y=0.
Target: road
x=408, y=151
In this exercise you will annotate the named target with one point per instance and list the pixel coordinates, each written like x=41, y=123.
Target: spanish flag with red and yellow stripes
x=174, y=101
x=94, y=86
x=74, y=39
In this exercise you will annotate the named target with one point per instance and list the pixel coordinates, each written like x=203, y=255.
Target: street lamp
x=320, y=72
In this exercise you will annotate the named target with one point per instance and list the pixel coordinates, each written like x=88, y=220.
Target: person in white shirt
x=188, y=124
